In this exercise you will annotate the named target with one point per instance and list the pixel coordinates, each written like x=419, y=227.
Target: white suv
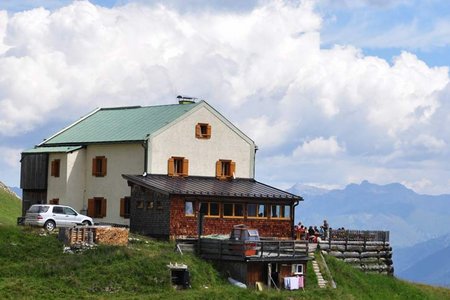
x=51, y=216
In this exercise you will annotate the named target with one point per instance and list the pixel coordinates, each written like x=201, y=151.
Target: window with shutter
x=125, y=207
x=99, y=166
x=203, y=131
x=97, y=207
x=54, y=201
x=225, y=169
x=178, y=166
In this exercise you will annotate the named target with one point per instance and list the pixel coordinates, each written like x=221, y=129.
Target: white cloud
x=263, y=68
x=319, y=147
x=10, y=156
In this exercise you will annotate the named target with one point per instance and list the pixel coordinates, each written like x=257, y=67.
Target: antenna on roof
x=186, y=100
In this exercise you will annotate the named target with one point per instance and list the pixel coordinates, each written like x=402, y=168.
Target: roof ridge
x=145, y=106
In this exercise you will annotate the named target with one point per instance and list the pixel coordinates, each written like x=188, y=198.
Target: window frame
x=208, y=215
x=233, y=210
x=282, y=212
x=192, y=207
x=99, y=166
x=265, y=214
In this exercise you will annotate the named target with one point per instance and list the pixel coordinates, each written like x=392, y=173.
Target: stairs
x=322, y=282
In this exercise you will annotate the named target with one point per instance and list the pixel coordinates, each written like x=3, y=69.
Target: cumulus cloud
x=319, y=147
x=263, y=68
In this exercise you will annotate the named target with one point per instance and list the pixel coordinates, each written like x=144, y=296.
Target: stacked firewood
x=111, y=236
x=368, y=256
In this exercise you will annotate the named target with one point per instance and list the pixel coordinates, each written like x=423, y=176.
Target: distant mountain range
x=427, y=262
x=419, y=225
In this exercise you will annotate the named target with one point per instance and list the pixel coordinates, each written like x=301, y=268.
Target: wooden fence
x=359, y=235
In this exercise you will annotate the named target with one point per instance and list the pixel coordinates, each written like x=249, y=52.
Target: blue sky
x=333, y=92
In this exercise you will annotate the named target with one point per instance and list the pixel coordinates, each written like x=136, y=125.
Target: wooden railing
x=359, y=235
x=251, y=250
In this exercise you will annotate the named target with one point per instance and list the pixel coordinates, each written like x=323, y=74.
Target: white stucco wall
x=121, y=159
x=179, y=140
x=76, y=179
x=57, y=186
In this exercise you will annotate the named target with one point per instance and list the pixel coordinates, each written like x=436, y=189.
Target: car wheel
x=86, y=223
x=50, y=225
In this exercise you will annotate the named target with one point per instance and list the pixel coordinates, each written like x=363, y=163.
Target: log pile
x=89, y=235
x=105, y=235
x=368, y=256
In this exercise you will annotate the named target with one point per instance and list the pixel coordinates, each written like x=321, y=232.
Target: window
x=58, y=210
x=225, y=169
x=203, y=131
x=189, y=208
x=125, y=204
x=297, y=269
x=55, y=168
x=139, y=204
x=150, y=205
x=97, y=207
x=233, y=210
x=178, y=166
x=280, y=212
x=99, y=166
x=210, y=209
x=69, y=211
x=54, y=201
x=256, y=211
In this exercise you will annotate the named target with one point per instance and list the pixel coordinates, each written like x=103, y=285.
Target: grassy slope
x=34, y=265
x=10, y=208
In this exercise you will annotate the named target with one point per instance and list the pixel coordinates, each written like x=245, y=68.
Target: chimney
x=185, y=100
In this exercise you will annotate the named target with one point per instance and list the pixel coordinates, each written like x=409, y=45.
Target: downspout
x=254, y=161
x=145, y=146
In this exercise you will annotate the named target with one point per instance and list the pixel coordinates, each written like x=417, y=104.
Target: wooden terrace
x=263, y=250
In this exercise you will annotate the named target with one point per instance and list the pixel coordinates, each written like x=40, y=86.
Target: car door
x=59, y=215
x=71, y=216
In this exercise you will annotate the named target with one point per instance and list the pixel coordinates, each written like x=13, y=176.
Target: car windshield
x=38, y=209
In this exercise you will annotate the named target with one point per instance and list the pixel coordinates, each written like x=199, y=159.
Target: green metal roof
x=121, y=124
x=62, y=149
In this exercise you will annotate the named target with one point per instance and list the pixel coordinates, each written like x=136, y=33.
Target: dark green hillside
x=10, y=207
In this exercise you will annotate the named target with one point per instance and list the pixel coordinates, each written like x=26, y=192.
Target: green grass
x=33, y=265
x=10, y=208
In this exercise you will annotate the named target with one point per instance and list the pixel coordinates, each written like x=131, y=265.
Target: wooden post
x=329, y=239
x=269, y=273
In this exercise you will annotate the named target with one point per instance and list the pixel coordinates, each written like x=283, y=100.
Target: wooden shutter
x=198, y=131
x=103, y=208
x=232, y=169
x=218, y=169
x=185, y=167
x=122, y=207
x=208, y=132
x=53, y=168
x=94, y=167
x=103, y=171
x=91, y=208
x=170, y=166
